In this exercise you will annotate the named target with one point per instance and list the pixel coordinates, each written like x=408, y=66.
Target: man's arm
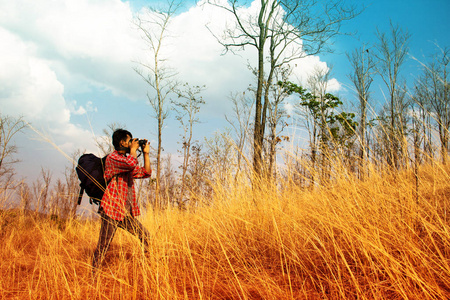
x=116, y=164
x=146, y=152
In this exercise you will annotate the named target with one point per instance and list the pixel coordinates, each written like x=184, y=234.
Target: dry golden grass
x=375, y=239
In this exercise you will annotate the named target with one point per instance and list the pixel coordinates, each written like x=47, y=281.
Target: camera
x=142, y=142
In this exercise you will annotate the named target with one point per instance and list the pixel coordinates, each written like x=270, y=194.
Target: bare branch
x=9, y=127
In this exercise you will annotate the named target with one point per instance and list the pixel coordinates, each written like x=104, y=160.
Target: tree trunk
x=258, y=135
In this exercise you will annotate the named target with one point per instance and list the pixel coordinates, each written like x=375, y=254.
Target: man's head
x=120, y=137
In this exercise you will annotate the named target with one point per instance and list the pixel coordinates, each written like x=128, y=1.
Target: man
x=119, y=207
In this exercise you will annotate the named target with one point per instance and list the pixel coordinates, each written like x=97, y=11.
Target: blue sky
x=426, y=21
x=67, y=67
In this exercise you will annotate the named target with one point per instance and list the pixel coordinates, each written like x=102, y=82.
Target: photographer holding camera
x=119, y=207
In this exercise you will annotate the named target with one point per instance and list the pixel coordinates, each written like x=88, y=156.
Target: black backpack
x=90, y=171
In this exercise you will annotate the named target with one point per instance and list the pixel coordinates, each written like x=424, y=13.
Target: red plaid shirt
x=120, y=170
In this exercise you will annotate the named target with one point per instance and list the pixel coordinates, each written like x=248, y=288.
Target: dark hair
x=120, y=135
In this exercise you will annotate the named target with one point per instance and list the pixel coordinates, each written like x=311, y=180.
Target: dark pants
x=108, y=229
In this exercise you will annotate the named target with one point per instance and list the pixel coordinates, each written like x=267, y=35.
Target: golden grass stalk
x=351, y=239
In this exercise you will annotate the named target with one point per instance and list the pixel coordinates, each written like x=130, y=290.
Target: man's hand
x=146, y=149
x=134, y=144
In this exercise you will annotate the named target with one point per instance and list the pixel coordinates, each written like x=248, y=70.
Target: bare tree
x=240, y=123
x=424, y=90
x=440, y=98
x=73, y=188
x=283, y=31
x=41, y=188
x=63, y=198
x=199, y=176
x=104, y=142
x=363, y=69
x=25, y=196
x=417, y=112
x=220, y=156
x=8, y=190
x=9, y=127
x=154, y=27
x=276, y=116
x=187, y=107
x=57, y=199
x=168, y=182
x=391, y=54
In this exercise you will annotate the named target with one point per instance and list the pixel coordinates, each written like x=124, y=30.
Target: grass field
x=383, y=238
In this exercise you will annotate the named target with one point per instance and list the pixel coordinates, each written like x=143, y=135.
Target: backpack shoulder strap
x=80, y=195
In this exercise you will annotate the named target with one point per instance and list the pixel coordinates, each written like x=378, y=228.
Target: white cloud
x=80, y=110
x=31, y=88
x=74, y=29
x=334, y=86
x=90, y=40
